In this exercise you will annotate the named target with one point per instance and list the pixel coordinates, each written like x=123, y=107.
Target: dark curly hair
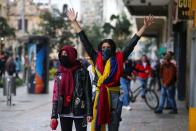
x=110, y=42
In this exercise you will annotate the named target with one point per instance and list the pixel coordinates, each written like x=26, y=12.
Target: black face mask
x=65, y=61
x=106, y=54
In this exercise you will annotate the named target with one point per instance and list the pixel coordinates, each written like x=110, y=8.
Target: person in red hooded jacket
x=72, y=96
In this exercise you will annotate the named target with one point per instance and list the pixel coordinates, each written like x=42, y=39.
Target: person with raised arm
x=109, y=68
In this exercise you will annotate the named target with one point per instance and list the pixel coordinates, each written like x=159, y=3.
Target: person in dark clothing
x=155, y=78
x=109, y=68
x=2, y=63
x=10, y=65
x=72, y=93
x=125, y=82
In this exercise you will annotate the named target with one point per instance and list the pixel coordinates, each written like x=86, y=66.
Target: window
x=20, y=24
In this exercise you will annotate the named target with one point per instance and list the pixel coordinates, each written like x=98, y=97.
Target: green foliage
x=120, y=31
x=107, y=28
x=19, y=82
x=94, y=34
x=5, y=29
x=56, y=27
x=52, y=73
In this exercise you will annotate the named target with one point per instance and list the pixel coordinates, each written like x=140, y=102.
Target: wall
x=32, y=13
x=3, y=8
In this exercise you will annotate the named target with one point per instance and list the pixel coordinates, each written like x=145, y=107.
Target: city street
x=32, y=113
x=150, y=41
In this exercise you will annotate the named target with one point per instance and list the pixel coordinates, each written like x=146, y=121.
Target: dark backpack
x=11, y=68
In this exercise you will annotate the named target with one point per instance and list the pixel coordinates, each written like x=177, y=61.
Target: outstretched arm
x=133, y=41
x=72, y=16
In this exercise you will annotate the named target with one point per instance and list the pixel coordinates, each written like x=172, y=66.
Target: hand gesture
x=72, y=15
x=148, y=20
x=89, y=118
x=146, y=71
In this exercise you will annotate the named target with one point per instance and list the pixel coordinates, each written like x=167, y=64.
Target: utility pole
x=23, y=15
x=8, y=9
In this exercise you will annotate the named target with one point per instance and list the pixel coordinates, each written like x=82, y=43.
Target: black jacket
x=81, y=103
x=93, y=54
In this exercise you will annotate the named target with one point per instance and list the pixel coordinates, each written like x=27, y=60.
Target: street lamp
x=2, y=39
x=1, y=48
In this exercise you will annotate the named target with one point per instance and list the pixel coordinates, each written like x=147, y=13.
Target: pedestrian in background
x=3, y=59
x=125, y=81
x=18, y=66
x=10, y=65
x=155, y=76
x=26, y=68
x=168, y=76
x=143, y=72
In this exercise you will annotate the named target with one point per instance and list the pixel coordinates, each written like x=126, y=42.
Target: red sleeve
x=55, y=92
x=138, y=67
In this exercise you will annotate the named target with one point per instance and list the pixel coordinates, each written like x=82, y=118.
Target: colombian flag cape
x=108, y=80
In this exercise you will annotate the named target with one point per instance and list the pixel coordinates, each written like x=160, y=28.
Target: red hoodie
x=143, y=72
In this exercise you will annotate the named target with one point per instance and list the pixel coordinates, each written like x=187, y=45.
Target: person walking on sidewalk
x=72, y=95
x=109, y=68
x=168, y=78
x=10, y=65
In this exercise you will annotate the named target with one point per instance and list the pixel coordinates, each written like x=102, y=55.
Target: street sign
x=194, y=11
x=185, y=9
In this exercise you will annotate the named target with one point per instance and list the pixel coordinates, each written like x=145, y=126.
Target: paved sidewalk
x=32, y=113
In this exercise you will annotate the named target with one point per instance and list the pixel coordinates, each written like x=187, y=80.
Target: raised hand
x=72, y=15
x=148, y=20
x=89, y=118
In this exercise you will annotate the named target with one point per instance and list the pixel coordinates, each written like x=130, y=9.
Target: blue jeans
x=168, y=105
x=143, y=83
x=169, y=93
x=125, y=86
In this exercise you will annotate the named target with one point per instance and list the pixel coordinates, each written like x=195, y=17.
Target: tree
x=5, y=29
x=119, y=31
x=56, y=27
x=94, y=34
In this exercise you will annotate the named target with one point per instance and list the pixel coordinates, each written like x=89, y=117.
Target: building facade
x=3, y=8
x=31, y=16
